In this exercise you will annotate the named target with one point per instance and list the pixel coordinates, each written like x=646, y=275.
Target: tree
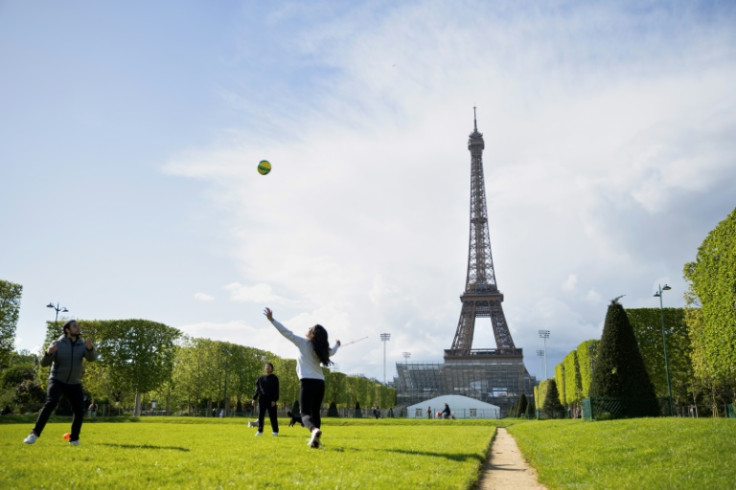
x=712, y=279
x=136, y=356
x=586, y=360
x=573, y=381
x=10, y=294
x=529, y=413
x=332, y=411
x=552, y=408
x=647, y=325
x=522, y=405
x=619, y=369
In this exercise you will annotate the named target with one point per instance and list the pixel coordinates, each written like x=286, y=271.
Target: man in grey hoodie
x=65, y=356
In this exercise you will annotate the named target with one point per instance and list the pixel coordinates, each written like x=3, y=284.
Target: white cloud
x=258, y=293
x=204, y=297
x=609, y=156
x=570, y=283
x=363, y=221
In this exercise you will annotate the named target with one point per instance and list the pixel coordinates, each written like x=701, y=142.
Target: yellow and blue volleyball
x=264, y=166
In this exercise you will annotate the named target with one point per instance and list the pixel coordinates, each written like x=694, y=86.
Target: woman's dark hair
x=318, y=336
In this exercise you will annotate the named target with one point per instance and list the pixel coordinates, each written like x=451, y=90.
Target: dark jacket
x=66, y=362
x=267, y=388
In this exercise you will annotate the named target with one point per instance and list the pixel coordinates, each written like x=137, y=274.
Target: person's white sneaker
x=259, y=433
x=275, y=434
x=31, y=438
x=75, y=443
x=314, y=440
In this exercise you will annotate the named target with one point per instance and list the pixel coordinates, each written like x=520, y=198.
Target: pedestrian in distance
x=267, y=395
x=446, y=412
x=314, y=352
x=92, y=409
x=65, y=356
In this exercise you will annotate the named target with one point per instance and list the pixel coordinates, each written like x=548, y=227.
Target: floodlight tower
x=544, y=334
x=540, y=353
x=385, y=337
x=406, y=356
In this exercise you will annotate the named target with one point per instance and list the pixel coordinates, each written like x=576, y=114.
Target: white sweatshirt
x=307, y=364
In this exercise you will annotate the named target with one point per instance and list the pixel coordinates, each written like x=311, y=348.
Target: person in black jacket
x=267, y=394
x=65, y=356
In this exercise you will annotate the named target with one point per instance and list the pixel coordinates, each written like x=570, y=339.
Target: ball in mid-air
x=67, y=436
x=264, y=166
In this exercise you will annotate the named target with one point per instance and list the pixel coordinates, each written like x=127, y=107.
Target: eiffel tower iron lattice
x=481, y=297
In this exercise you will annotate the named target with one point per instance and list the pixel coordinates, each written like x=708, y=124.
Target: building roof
x=454, y=401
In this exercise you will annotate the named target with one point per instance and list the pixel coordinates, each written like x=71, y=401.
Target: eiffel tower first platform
x=493, y=375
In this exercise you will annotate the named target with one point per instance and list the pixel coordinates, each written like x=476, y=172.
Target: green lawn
x=214, y=453
x=648, y=453
x=667, y=453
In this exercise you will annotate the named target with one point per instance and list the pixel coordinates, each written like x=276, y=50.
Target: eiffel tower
x=494, y=375
x=481, y=297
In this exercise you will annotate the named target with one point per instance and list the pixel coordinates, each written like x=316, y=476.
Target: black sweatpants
x=74, y=394
x=264, y=406
x=311, y=394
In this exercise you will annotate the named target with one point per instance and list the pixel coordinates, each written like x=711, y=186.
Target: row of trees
x=143, y=362
x=701, y=342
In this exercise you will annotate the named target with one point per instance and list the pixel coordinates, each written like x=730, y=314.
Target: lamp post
x=58, y=309
x=658, y=294
x=544, y=334
x=385, y=337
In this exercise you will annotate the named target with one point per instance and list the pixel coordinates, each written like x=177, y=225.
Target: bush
x=619, y=369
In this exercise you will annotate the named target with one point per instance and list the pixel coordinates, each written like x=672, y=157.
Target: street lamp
x=658, y=294
x=58, y=309
x=544, y=334
x=385, y=337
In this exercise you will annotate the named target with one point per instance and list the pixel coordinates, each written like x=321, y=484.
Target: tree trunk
x=137, y=408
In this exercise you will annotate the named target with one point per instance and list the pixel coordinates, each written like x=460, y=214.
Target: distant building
x=462, y=407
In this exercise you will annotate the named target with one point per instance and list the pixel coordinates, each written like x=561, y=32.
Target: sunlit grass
x=215, y=453
x=647, y=453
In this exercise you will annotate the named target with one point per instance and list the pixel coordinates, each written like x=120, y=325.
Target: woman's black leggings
x=311, y=394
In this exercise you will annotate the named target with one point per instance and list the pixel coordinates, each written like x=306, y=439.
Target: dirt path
x=506, y=467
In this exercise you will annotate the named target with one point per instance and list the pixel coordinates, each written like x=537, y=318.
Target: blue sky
x=132, y=131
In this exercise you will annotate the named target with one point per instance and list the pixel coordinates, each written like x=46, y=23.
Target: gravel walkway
x=506, y=467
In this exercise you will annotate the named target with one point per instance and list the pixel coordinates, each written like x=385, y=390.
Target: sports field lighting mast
x=58, y=309
x=658, y=294
x=540, y=353
x=385, y=337
x=544, y=334
x=406, y=356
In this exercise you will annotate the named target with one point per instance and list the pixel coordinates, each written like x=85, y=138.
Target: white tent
x=462, y=407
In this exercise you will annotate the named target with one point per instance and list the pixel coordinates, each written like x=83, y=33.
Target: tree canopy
x=10, y=294
x=712, y=278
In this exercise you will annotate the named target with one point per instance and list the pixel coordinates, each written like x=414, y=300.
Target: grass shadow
x=452, y=457
x=146, y=446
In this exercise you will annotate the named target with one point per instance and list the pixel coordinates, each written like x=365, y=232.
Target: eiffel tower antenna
x=481, y=297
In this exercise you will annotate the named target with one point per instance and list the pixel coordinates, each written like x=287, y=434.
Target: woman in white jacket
x=314, y=352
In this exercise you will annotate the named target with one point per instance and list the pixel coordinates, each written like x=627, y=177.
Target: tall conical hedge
x=619, y=368
x=552, y=407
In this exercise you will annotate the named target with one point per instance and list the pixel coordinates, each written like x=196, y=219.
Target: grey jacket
x=66, y=362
